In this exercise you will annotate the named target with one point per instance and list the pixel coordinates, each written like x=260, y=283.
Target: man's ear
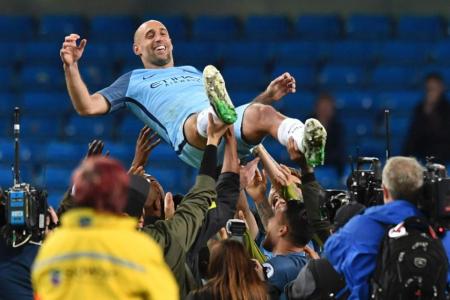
x=136, y=50
x=283, y=230
x=386, y=195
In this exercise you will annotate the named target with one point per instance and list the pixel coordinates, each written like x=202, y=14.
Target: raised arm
x=84, y=103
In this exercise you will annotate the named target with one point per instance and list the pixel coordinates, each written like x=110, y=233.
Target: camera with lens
x=236, y=229
x=24, y=207
x=364, y=186
x=435, y=199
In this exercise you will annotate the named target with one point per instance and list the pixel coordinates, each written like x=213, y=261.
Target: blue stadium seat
x=441, y=52
x=123, y=52
x=6, y=179
x=369, y=27
x=195, y=54
x=305, y=77
x=169, y=178
x=97, y=77
x=400, y=125
x=55, y=197
x=129, y=129
x=267, y=28
x=400, y=102
x=177, y=25
x=243, y=97
x=112, y=28
x=10, y=53
x=34, y=128
x=420, y=28
x=327, y=176
x=372, y=147
x=121, y=151
x=251, y=54
x=56, y=27
x=7, y=103
x=354, y=101
x=41, y=78
x=88, y=128
x=16, y=28
x=393, y=77
x=337, y=77
x=404, y=53
x=299, y=105
x=297, y=53
x=163, y=154
x=42, y=53
x=244, y=78
x=351, y=53
x=98, y=53
x=64, y=154
x=57, y=178
x=46, y=103
x=29, y=152
x=358, y=126
x=6, y=78
x=215, y=28
x=318, y=27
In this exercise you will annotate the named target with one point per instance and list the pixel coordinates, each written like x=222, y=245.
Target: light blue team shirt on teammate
x=163, y=99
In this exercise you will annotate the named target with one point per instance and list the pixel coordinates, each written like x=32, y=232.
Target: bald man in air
x=176, y=101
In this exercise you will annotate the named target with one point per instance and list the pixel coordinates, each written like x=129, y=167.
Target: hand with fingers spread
x=71, y=52
x=146, y=142
x=96, y=148
x=281, y=86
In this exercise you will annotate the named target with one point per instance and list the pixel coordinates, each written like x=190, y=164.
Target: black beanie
x=138, y=191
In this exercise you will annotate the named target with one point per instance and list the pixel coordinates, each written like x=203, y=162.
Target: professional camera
x=435, y=201
x=364, y=184
x=25, y=207
x=334, y=199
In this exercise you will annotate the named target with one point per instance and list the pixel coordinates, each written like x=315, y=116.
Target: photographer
x=353, y=249
x=16, y=261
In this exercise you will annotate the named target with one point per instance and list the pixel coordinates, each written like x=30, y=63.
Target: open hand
x=146, y=142
x=258, y=186
x=71, y=52
x=216, y=129
x=96, y=148
x=281, y=86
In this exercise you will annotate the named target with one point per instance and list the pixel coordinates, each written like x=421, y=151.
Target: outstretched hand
x=71, y=52
x=146, y=142
x=96, y=148
x=281, y=86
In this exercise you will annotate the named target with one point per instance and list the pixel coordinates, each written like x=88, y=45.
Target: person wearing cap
x=97, y=253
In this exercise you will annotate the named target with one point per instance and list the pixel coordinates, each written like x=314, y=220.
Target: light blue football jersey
x=163, y=99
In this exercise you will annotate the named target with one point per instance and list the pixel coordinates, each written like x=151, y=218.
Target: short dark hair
x=300, y=229
x=434, y=76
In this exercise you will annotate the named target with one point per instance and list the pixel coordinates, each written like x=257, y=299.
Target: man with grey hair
x=354, y=248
